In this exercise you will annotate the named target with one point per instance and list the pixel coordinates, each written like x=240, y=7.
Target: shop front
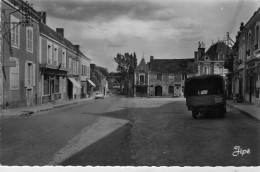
x=53, y=87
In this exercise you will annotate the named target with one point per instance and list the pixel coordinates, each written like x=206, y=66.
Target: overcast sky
x=161, y=28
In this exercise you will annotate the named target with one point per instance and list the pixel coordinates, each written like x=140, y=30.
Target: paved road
x=160, y=132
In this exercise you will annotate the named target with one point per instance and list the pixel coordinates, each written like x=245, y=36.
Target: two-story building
x=167, y=76
x=19, y=55
x=252, y=58
x=212, y=62
x=163, y=77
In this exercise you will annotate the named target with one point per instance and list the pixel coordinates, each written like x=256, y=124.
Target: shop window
x=46, y=88
x=56, y=84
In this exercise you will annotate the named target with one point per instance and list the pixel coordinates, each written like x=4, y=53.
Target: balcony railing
x=141, y=83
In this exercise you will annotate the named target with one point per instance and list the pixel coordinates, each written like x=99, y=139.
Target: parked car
x=99, y=95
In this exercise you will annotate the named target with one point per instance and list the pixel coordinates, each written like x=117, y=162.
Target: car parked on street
x=99, y=95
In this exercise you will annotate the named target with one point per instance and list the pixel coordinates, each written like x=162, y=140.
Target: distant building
x=141, y=79
x=163, y=77
x=212, y=62
x=100, y=81
x=167, y=76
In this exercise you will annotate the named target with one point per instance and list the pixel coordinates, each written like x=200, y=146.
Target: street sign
x=8, y=63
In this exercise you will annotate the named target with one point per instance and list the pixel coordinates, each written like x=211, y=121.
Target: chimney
x=77, y=46
x=201, y=50
x=43, y=16
x=151, y=58
x=92, y=66
x=196, y=56
x=242, y=26
x=60, y=31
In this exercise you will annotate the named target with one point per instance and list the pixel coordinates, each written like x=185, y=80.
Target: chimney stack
x=196, y=56
x=77, y=47
x=201, y=50
x=60, y=31
x=43, y=16
x=151, y=58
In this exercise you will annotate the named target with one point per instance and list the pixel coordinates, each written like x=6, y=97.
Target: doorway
x=158, y=90
x=52, y=89
x=250, y=88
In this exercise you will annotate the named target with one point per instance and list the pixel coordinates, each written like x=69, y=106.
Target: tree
x=126, y=65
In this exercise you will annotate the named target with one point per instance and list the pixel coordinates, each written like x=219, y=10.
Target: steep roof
x=173, y=65
x=215, y=49
x=142, y=65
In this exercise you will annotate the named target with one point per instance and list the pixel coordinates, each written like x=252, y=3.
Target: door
x=29, y=97
x=158, y=90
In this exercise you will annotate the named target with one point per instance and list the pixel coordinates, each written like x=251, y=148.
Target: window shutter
x=34, y=75
x=26, y=74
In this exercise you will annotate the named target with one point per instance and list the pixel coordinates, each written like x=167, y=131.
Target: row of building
x=39, y=65
x=246, y=79
x=165, y=77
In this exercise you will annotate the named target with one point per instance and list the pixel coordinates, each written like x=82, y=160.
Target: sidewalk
x=247, y=108
x=25, y=111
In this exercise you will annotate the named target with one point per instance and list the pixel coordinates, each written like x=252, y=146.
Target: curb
x=244, y=112
x=26, y=113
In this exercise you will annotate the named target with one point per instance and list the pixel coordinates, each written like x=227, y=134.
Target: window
x=15, y=31
x=159, y=76
x=49, y=52
x=184, y=76
x=141, y=78
x=70, y=63
x=29, y=39
x=206, y=70
x=46, y=89
x=220, y=56
x=29, y=80
x=64, y=58
x=14, y=75
x=55, y=58
x=257, y=36
x=171, y=77
x=249, y=41
x=171, y=90
x=221, y=70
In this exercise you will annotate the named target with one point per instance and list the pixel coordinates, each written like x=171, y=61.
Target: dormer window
x=141, y=78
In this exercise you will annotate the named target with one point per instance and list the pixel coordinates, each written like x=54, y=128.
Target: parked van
x=205, y=94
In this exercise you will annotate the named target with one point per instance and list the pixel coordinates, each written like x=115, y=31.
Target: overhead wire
x=235, y=16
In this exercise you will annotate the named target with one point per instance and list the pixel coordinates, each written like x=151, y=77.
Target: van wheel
x=195, y=114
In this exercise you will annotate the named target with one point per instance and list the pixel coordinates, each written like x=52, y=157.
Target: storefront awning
x=74, y=82
x=91, y=83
